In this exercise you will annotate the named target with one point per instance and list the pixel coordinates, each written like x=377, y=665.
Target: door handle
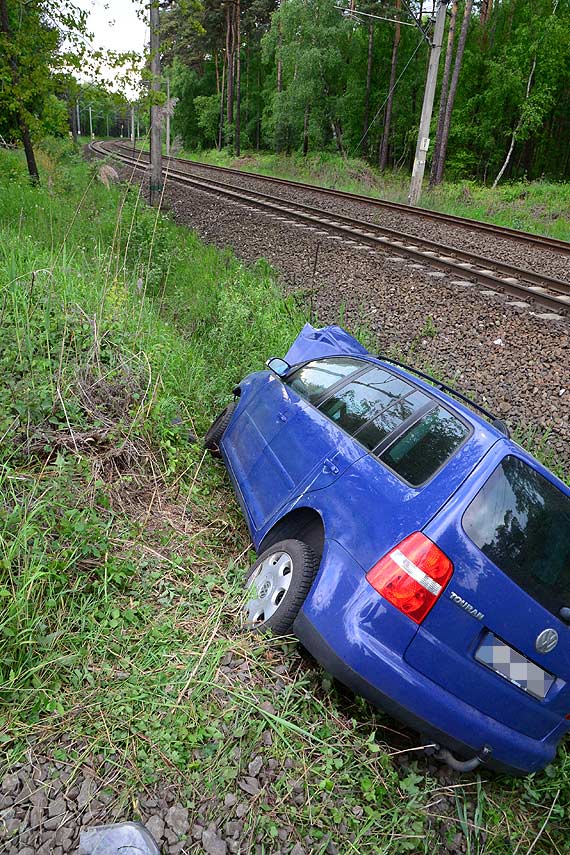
x=330, y=467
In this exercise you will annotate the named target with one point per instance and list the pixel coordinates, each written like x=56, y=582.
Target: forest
x=305, y=75
x=315, y=75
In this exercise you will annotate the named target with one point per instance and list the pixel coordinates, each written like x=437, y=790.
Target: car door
x=280, y=438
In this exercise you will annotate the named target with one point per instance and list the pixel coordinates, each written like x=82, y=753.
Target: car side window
x=354, y=405
x=313, y=379
x=425, y=446
x=388, y=420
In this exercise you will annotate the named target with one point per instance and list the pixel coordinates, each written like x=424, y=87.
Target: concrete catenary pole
x=90, y=123
x=133, y=126
x=78, y=119
x=427, y=108
x=156, y=183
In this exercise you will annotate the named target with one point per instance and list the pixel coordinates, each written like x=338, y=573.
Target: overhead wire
x=390, y=91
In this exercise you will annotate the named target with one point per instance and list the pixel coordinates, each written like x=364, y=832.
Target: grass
x=541, y=207
x=122, y=548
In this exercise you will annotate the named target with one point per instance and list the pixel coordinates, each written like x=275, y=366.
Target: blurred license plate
x=513, y=666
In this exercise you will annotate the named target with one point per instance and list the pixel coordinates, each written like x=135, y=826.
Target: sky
x=115, y=26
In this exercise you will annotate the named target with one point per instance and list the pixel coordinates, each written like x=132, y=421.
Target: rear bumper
x=345, y=626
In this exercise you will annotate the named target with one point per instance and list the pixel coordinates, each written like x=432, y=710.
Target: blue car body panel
x=282, y=454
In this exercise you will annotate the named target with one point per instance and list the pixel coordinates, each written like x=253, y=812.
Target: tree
x=32, y=34
x=442, y=145
x=383, y=159
x=444, y=93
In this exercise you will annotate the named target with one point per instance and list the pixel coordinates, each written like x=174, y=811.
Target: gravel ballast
x=484, y=244
x=488, y=345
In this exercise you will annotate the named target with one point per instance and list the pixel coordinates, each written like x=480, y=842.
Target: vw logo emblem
x=547, y=640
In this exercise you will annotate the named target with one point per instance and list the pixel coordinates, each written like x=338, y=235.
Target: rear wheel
x=217, y=429
x=278, y=584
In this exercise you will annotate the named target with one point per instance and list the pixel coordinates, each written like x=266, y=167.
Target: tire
x=281, y=590
x=217, y=429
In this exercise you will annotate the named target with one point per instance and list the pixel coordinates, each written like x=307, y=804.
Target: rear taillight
x=412, y=575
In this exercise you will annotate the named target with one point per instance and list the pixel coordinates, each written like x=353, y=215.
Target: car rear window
x=521, y=522
x=425, y=446
x=312, y=380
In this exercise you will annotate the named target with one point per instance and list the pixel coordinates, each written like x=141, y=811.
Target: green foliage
x=43, y=40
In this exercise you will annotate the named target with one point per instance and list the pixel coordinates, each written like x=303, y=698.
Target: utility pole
x=78, y=120
x=156, y=184
x=90, y=123
x=107, y=118
x=133, y=126
x=168, y=116
x=427, y=108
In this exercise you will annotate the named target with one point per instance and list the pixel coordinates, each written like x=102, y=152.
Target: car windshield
x=313, y=379
x=521, y=521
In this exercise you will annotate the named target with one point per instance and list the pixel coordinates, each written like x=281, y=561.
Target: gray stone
x=254, y=767
x=242, y=809
x=9, y=825
x=64, y=837
x=53, y=822
x=171, y=836
x=39, y=798
x=36, y=815
x=46, y=848
x=233, y=829
x=177, y=819
x=10, y=784
x=197, y=831
x=27, y=850
x=86, y=793
x=57, y=807
x=230, y=800
x=249, y=785
x=212, y=844
x=156, y=827
x=297, y=850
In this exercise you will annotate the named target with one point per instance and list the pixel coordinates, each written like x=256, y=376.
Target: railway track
x=521, y=283
x=553, y=244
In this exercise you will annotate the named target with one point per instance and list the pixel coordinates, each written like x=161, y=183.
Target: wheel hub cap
x=268, y=587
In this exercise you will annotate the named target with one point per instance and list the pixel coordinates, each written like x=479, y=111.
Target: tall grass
x=107, y=356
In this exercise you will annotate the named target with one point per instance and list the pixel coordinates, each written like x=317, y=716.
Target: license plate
x=513, y=666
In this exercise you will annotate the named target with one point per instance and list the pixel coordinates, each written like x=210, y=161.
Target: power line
x=390, y=91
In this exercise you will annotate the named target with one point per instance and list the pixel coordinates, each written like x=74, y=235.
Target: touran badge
x=547, y=640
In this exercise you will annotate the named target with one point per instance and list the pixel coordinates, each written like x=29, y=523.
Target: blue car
x=417, y=552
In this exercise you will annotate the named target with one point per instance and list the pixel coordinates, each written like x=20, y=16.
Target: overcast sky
x=115, y=26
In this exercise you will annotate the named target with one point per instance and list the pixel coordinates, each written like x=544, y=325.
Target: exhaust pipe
x=445, y=755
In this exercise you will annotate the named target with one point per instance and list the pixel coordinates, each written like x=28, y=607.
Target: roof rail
x=498, y=424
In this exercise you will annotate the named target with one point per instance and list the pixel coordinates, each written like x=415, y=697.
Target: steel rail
x=438, y=255
x=557, y=245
